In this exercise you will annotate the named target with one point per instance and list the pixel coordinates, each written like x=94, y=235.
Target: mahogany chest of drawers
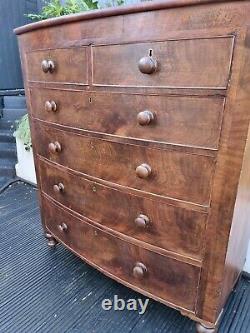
x=140, y=127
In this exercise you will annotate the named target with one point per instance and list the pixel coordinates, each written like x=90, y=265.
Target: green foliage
x=110, y=3
x=54, y=8
x=23, y=131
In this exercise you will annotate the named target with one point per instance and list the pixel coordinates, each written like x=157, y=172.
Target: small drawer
x=175, y=229
x=164, y=172
x=67, y=66
x=190, y=121
x=161, y=277
x=186, y=63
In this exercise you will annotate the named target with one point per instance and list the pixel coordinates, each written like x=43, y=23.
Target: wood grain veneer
x=208, y=68
x=174, y=229
x=164, y=275
x=75, y=59
x=181, y=120
x=183, y=176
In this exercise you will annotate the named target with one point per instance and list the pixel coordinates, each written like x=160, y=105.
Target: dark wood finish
x=142, y=221
x=182, y=176
x=50, y=106
x=139, y=270
x=208, y=68
x=217, y=282
x=108, y=12
x=207, y=22
x=238, y=243
x=143, y=171
x=52, y=242
x=174, y=229
x=61, y=65
x=63, y=227
x=193, y=121
x=148, y=65
x=54, y=147
x=169, y=89
x=48, y=66
x=58, y=188
x=145, y=117
x=164, y=277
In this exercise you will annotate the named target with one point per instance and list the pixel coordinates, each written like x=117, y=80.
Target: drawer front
x=166, y=278
x=163, y=172
x=189, y=63
x=193, y=121
x=59, y=65
x=168, y=227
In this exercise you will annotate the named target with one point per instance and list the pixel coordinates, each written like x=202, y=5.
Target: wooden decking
x=44, y=290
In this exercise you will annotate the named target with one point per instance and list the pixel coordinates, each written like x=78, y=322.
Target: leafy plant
x=110, y=3
x=23, y=131
x=55, y=8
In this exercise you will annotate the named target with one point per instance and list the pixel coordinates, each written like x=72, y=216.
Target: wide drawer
x=163, y=172
x=67, y=66
x=164, y=278
x=164, y=226
x=193, y=121
x=186, y=63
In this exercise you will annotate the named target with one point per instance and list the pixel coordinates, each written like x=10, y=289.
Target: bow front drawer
x=187, y=63
x=67, y=66
x=164, y=226
x=168, y=279
x=193, y=121
x=163, y=172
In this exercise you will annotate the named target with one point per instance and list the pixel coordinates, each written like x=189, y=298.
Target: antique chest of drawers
x=140, y=127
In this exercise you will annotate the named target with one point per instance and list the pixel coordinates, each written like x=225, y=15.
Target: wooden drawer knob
x=55, y=147
x=145, y=117
x=147, y=65
x=50, y=106
x=139, y=270
x=48, y=66
x=63, y=227
x=143, y=171
x=58, y=188
x=142, y=221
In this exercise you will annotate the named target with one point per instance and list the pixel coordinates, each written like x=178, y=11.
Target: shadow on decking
x=43, y=290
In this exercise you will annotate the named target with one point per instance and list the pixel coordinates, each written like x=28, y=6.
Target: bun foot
x=52, y=242
x=202, y=329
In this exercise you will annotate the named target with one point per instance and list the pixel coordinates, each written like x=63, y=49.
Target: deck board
x=44, y=290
